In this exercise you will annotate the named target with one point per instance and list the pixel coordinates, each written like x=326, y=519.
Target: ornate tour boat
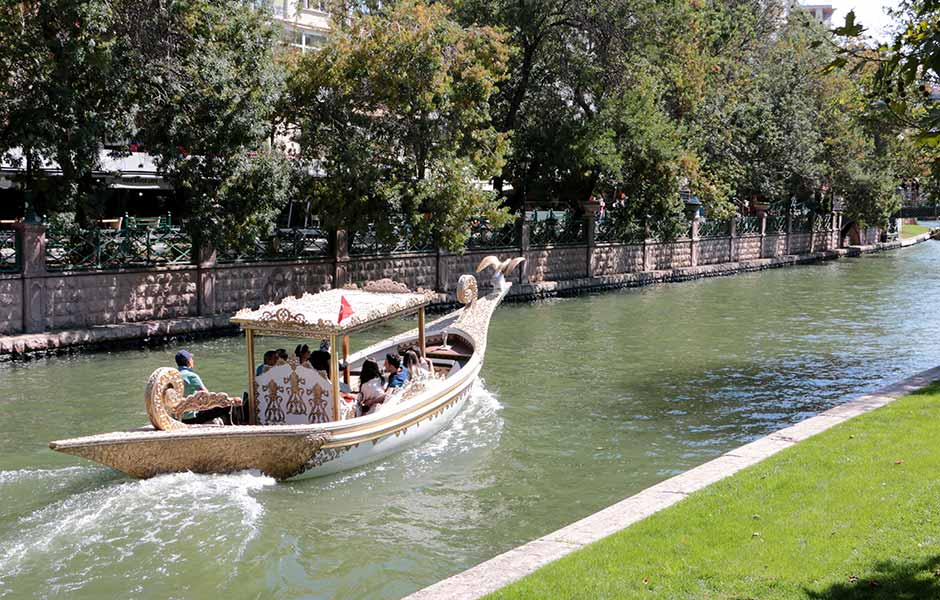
x=299, y=424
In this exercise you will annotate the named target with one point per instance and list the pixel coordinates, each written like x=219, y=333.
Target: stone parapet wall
x=714, y=251
x=612, y=259
x=774, y=245
x=556, y=263
x=749, y=247
x=675, y=255
x=11, y=304
x=237, y=286
x=67, y=301
x=36, y=300
x=414, y=270
x=799, y=243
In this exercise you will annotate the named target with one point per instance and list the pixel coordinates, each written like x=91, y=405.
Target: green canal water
x=582, y=402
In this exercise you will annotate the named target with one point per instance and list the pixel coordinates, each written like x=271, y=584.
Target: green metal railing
x=482, y=235
x=9, y=251
x=405, y=239
x=747, y=226
x=284, y=244
x=822, y=222
x=555, y=229
x=800, y=223
x=714, y=229
x=776, y=224
x=608, y=231
x=103, y=249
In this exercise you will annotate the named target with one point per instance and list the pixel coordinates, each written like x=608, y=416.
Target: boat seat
x=290, y=394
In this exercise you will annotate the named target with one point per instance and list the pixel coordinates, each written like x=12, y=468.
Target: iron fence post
x=789, y=229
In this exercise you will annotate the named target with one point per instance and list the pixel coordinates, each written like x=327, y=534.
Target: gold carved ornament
x=467, y=289
x=165, y=401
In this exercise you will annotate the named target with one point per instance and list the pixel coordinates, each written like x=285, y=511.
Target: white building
x=306, y=23
x=821, y=12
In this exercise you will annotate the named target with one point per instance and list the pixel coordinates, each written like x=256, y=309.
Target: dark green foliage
x=396, y=107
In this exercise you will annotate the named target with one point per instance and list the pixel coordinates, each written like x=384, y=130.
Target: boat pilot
x=192, y=383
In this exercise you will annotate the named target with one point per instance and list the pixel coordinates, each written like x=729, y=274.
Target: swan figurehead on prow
x=501, y=269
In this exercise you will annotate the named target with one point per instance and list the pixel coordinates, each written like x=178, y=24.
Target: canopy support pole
x=421, y=340
x=346, y=359
x=334, y=376
x=250, y=342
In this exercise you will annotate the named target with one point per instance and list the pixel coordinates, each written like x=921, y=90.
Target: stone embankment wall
x=36, y=300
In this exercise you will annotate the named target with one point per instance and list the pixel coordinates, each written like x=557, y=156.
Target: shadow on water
x=888, y=580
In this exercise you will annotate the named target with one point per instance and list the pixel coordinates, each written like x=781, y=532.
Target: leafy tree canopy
x=396, y=111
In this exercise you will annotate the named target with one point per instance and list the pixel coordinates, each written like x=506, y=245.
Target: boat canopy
x=322, y=314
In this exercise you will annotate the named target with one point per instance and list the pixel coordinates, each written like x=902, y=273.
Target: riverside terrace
x=157, y=276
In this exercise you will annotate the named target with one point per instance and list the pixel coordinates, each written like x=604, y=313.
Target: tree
x=395, y=108
x=207, y=92
x=63, y=95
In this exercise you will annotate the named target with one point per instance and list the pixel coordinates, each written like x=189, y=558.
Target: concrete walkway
x=515, y=564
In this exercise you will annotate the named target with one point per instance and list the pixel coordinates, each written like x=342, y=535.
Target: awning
x=317, y=315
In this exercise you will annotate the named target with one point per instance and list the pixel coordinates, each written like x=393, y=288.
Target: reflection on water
x=585, y=401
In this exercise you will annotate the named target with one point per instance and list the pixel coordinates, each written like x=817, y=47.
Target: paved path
x=515, y=564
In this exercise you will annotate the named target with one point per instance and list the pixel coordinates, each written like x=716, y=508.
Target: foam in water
x=477, y=425
x=157, y=520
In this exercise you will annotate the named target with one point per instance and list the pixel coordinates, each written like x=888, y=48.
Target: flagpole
x=346, y=359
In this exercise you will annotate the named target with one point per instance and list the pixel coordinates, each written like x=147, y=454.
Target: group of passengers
x=318, y=359
x=374, y=388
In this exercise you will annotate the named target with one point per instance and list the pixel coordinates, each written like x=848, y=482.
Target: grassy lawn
x=908, y=231
x=851, y=513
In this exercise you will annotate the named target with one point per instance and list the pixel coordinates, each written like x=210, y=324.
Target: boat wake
x=148, y=525
x=478, y=425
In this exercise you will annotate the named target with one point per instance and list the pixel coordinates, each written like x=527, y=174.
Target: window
x=313, y=41
x=319, y=5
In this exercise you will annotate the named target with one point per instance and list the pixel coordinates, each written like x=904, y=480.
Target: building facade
x=306, y=23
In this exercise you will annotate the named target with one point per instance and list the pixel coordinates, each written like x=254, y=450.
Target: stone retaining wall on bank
x=39, y=301
x=236, y=286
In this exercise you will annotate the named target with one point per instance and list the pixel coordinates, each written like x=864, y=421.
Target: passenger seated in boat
x=302, y=352
x=320, y=361
x=270, y=359
x=397, y=375
x=371, y=388
x=192, y=383
x=282, y=357
x=417, y=366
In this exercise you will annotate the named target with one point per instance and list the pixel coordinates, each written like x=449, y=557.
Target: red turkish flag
x=345, y=310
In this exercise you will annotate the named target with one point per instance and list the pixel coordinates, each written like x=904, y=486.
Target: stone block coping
x=515, y=564
x=111, y=335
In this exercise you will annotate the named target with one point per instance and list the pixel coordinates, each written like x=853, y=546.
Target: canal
x=582, y=402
